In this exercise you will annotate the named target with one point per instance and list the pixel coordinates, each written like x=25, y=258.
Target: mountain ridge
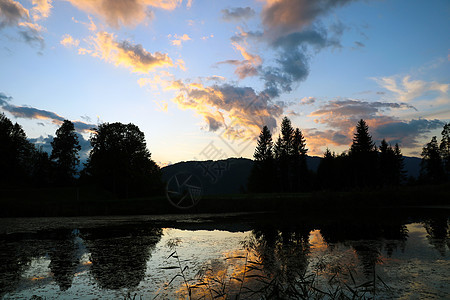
x=230, y=176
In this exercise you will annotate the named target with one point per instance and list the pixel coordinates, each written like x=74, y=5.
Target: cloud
x=41, y=9
x=318, y=139
x=119, y=13
x=13, y=14
x=359, y=45
x=247, y=67
x=239, y=110
x=307, y=100
x=177, y=40
x=124, y=53
x=407, y=133
x=341, y=116
x=281, y=17
x=4, y=99
x=407, y=90
x=292, y=62
x=27, y=112
x=237, y=14
x=45, y=143
x=291, y=31
x=68, y=41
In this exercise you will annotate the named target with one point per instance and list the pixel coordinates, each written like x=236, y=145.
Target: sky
x=201, y=77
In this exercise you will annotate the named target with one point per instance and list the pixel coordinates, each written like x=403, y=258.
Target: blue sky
x=200, y=78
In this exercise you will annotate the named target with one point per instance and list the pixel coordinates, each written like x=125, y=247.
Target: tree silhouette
x=15, y=153
x=65, y=149
x=285, y=152
x=300, y=169
x=431, y=169
x=119, y=254
x=363, y=155
x=121, y=162
x=260, y=179
x=387, y=164
x=444, y=148
x=326, y=170
x=399, y=165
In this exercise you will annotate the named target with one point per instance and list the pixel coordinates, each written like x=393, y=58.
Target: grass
x=256, y=281
x=89, y=201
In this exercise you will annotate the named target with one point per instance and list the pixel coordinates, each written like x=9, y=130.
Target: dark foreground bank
x=90, y=201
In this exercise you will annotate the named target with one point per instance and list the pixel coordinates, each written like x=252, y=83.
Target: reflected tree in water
x=367, y=239
x=64, y=258
x=17, y=252
x=283, y=255
x=119, y=255
x=438, y=233
x=13, y=262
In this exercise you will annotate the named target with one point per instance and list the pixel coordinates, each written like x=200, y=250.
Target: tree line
x=281, y=166
x=119, y=160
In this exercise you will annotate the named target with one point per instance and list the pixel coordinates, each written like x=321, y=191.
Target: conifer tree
x=399, y=165
x=263, y=151
x=298, y=161
x=261, y=176
x=363, y=155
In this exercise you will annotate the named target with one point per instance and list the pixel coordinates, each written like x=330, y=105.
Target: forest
x=281, y=166
x=120, y=166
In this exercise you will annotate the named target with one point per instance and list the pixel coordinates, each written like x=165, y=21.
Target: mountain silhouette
x=230, y=176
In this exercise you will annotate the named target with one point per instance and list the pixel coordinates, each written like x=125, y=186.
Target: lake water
x=257, y=256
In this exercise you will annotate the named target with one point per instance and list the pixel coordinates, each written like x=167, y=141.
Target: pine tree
x=363, y=154
x=399, y=165
x=65, y=148
x=362, y=140
x=287, y=136
x=261, y=176
x=278, y=148
x=263, y=151
x=298, y=161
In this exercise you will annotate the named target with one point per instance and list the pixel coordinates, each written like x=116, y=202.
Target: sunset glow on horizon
x=196, y=73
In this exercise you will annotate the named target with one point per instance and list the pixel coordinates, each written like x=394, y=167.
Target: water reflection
x=278, y=258
x=438, y=233
x=119, y=254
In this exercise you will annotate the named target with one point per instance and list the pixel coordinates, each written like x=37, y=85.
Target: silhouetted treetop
x=362, y=140
x=444, y=148
x=65, y=148
x=263, y=149
x=431, y=165
x=15, y=152
x=120, y=160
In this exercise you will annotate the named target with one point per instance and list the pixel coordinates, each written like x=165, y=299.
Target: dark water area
x=397, y=255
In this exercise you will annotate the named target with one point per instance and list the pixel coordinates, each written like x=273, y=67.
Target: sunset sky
x=201, y=77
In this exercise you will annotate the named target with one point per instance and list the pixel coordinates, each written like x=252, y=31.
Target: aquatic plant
x=247, y=277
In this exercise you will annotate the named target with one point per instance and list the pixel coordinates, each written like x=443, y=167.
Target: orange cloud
x=240, y=110
x=123, y=12
x=131, y=56
x=68, y=41
x=177, y=40
x=41, y=9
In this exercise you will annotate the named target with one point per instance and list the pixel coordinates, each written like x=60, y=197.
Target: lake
x=400, y=255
